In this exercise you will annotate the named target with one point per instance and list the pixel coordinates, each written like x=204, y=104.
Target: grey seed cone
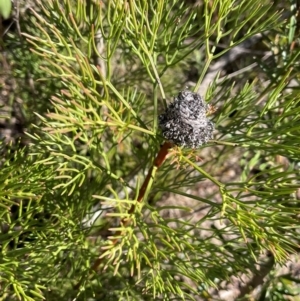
x=184, y=122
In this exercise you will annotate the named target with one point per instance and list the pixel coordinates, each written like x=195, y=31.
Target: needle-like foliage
x=79, y=221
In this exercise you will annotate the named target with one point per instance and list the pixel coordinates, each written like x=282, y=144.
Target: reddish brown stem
x=158, y=161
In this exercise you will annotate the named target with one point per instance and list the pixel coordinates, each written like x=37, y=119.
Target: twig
x=158, y=161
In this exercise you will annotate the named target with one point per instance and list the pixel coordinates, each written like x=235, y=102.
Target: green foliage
x=5, y=8
x=103, y=72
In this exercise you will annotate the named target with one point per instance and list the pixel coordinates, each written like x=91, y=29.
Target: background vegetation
x=82, y=86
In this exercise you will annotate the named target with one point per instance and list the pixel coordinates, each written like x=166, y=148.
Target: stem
x=158, y=161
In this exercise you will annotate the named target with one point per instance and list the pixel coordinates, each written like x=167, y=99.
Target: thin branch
x=158, y=161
